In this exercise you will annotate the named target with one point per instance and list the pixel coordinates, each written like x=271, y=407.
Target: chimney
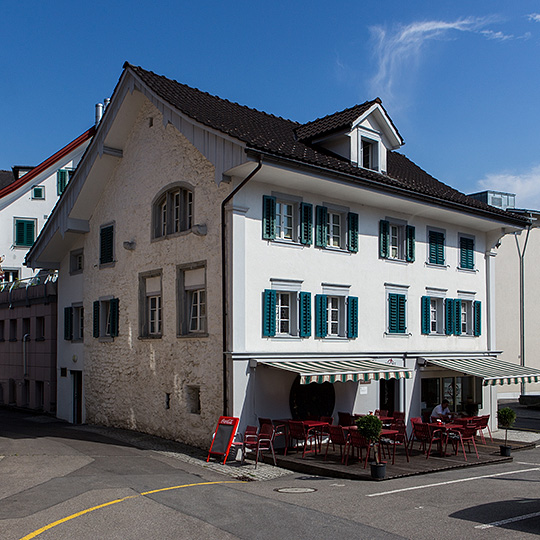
x=99, y=112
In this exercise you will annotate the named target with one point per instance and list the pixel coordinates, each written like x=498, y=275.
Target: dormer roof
x=346, y=120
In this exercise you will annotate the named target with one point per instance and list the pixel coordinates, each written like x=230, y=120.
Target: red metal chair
x=414, y=420
x=298, y=432
x=398, y=415
x=360, y=443
x=481, y=423
x=381, y=412
x=396, y=440
x=280, y=430
x=457, y=438
x=337, y=435
x=250, y=440
x=265, y=441
x=424, y=435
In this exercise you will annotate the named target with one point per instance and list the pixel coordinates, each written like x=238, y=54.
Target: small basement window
x=193, y=397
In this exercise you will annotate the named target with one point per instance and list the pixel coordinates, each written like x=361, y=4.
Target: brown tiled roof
x=281, y=138
x=6, y=178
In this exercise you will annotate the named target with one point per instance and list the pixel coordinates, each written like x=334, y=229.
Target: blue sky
x=460, y=79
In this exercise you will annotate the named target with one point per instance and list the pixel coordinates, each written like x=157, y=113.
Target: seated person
x=441, y=412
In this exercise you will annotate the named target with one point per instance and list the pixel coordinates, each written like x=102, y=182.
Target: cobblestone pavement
x=189, y=454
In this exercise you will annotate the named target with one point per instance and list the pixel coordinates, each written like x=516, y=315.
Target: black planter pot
x=505, y=450
x=378, y=470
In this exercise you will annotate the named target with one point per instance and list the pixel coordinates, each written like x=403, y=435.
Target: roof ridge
x=214, y=96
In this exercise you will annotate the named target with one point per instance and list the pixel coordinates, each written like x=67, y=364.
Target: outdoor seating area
x=339, y=450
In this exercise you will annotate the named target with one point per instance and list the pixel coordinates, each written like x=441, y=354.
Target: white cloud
x=526, y=186
x=535, y=17
x=399, y=52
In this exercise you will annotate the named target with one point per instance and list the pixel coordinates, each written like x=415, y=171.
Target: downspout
x=224, y=313
x=25, y=354
x=521, y=255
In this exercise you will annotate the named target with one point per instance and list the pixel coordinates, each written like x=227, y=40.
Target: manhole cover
x=295, y=490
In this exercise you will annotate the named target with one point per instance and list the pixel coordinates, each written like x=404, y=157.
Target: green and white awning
x=492, y=370
x=320, y=371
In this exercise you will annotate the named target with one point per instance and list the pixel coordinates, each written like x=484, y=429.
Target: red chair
x=424, y=435
x=280, y=430
x=298, y=432
x=396, y=440
x=457, y=438
x=250, y=440
x=398, y=415
x=265, y=441
x=481, y=423
x=360, y=443
x=337, y=435
x=381, y=412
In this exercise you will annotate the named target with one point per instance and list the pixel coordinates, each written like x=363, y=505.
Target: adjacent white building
x=214, y=259
x=27, y=197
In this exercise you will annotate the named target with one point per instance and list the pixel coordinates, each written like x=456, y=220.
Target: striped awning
x=492, y=370
x=320, y=371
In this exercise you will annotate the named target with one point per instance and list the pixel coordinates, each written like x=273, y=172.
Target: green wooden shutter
x=269, y=218
x=115, y=316
x=436, y=247
x=61, y=181
x=426, y=314
x=24, y=232
x=321, y=316
x=449, y=316
x=321, y=226
x=269, y=313
x=352, y=317
x=68, y=323
x=96, y=319
x=477, y=305
x=396, y=313
x=457, y=317
x=352, y=233
x=409, y=243
x=106, y=244
x=466, y=253
x=306, y=224
x=384, y=239
x=305, y=314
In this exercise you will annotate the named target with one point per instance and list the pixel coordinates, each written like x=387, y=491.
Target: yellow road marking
x=88, y=510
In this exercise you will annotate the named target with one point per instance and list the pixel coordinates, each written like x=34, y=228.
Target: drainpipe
x=25, y=339
x=224, y=276
x=521, y=255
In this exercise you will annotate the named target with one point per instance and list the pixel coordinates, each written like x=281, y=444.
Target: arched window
x=173, y=212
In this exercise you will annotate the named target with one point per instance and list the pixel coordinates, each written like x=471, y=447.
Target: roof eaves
x=47, y=163
x=381, y=184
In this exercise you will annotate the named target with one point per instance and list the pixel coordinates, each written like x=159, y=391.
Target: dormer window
x=370, y=155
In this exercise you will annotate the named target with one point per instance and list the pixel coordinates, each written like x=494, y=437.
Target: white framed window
x=466, y=317
x=335, y=316
x=397, y=235
x=192, y=300
x=369, y=149
x=76, y=261
x=106, y=317
x=396, y=240
x=335, y=229
x=150, y=304
x=284, y=313
x=432, y=311
x=8, y=275
x=24, y=232
x=173, y=212
x=38, y=193
x=396, y=309
x=286, y=228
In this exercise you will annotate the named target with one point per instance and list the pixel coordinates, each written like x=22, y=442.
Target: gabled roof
x=36, y=171
x=289, y=140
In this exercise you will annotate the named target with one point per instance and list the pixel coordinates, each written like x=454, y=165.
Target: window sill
x=288, y=243
x=75, y=272
x=107, y=265
x=337, y=250
x=284, y=337
x=396, y=261
x=150, y=337
x=435, y=334
x=335, y=338
x=193, y=335
x=435, y=265
x=106, y=339
x=172, y=235
x=78, y=340
x=397, y=334
x=467, y=270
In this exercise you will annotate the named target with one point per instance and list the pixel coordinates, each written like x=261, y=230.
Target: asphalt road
x=527, y=419
x=59, y=482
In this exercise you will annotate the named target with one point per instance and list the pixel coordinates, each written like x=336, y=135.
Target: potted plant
x=370, y=427
x=506, y=417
